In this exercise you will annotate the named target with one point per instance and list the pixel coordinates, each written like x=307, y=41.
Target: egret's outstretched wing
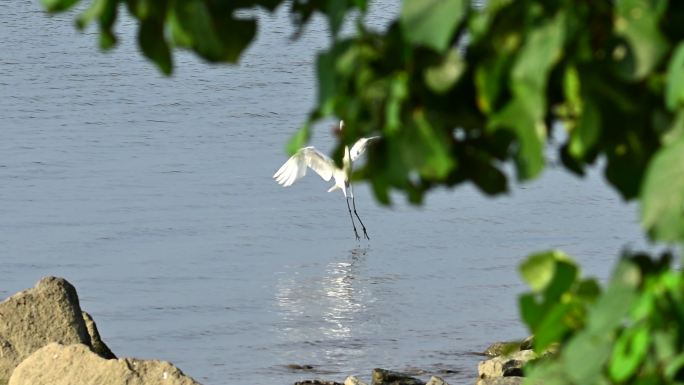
x=360, y=147
x=296, y=166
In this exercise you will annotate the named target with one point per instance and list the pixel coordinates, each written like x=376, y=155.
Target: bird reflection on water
x=325, y=309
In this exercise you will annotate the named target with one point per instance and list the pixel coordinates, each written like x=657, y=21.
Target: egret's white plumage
x=309, y=157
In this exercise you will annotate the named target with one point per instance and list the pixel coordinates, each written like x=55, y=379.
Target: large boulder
x=29, y=320
x=57, y=364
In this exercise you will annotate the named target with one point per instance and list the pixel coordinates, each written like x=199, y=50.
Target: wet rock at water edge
x=527, y=343
x=500, y=381
x=29, y=320
x=317, y=382
x=498, y=348
x=296, y=367
x=434, y=380
x=507, y=347
x=76, y=364
x=505, y=366
x=389, y=377
x=353, y=380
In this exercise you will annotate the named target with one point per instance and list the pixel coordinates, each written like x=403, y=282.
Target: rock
x=500, y=381
x=57, y=364
x=507, y=347
x=503, y=366
x=388, y=377
x=527, y=343
x=297, y=367
x=500, y=348
x=316, y=382
x=31, y=319
x=353, y=380
x=96, y=343
x=434, y=380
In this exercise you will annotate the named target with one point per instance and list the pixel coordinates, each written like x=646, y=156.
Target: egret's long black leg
x=352, y=220
x=365, y=234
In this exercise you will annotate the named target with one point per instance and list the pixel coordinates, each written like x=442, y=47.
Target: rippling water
x=154, y=197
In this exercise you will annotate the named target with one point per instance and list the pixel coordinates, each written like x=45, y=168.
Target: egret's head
x=337, y=130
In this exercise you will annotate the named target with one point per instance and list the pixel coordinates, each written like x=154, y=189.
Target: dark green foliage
x=632, y=332
x=457, y=91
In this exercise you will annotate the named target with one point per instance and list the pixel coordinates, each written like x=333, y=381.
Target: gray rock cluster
x=45, y=338
x=380, y=377
x=506, y=366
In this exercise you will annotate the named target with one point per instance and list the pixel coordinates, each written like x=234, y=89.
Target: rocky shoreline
x=46, y=339
x=504, y=367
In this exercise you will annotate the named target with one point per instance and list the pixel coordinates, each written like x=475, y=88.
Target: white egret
x=309, y=157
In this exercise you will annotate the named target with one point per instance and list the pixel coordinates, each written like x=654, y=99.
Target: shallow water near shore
x=154, y=197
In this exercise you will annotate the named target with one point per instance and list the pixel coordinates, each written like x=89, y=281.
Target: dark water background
x=154, y=197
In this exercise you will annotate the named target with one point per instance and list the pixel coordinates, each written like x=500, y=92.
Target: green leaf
x=325, y=69
x=530, y=133
x=96, y=8
x=674, y=88
x=299, y=139
x=628, y=353
x=588, y=290
x=662, y=194
x=611, y=308
x=146, y=9
x=58, y=5
x=539, y=269
x=107, y=18
x=638, y=22
x=479, y=23
x=425, y=149
x=442, y=77
x=552, y=327
x=547, y=373
x=336, y=9
x=541, y=50
x=490, y=80
x=586, y=133
x=210, y=29
x=397, y=95
x=564, y=277
x=584, y=356
x=675, y=131
x=105, y=11
x=674, y=367
x=524, y=114
x=482, y=170
x=530, y=311
x=431, y=22
x=154, y=46
x=572, y=86
x=235, y=36
x=192, y=26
